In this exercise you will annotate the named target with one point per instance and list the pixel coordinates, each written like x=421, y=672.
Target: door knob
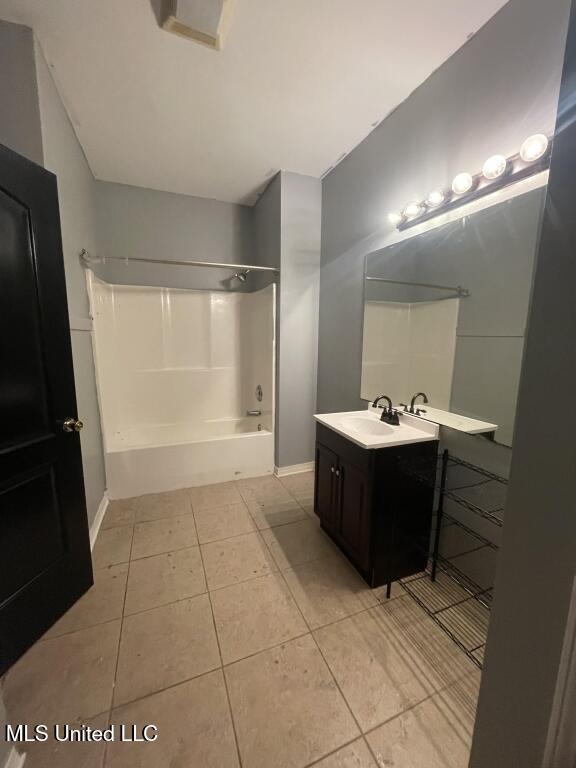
x=72, y=425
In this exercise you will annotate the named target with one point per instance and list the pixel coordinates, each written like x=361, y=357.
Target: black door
x=45, y=562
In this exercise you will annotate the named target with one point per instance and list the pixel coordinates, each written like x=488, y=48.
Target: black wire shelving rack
x=456, y=602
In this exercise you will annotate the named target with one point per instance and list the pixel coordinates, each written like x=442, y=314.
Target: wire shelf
x=476, y=483
x=456, y=602
x=470, y=531
x=464, y=620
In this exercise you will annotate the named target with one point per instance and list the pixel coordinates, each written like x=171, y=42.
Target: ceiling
x=297, y=85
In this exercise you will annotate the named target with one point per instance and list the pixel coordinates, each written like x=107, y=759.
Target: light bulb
x=534, y=148
x=462, y=183
x=494, y=167
x=435, y=198
x=412, y=210
x=395, y=219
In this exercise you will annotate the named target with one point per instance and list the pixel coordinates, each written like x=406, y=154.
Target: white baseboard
x=97, y=522
x=15, y=759
x=295, y=469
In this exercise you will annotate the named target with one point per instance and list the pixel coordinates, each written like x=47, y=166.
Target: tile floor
x=227, y=618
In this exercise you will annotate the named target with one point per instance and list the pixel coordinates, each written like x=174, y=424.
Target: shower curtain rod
x=88, y=259
x=458, y=290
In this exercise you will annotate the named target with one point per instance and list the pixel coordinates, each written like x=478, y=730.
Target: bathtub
x=165, y=457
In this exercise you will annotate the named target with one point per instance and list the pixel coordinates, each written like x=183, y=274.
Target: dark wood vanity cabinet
x=376, y=504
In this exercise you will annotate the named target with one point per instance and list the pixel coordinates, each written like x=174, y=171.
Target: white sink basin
x=365, y=428
x=367, y=425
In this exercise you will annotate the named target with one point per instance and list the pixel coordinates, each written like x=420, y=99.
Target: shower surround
x=177, y=373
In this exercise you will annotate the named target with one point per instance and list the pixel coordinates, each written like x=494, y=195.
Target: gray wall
x=143, y=223
x=64, y=157
x=268, y=249
x=267, y=223
x=535, y=584
x=19, y=112
x=491, y=253
x=287, y=229
x=34, y=123
x=298, y=330
x=498, y=89
x=494, y=92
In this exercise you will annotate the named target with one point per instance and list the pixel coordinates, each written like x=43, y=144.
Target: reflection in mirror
x=445, y=313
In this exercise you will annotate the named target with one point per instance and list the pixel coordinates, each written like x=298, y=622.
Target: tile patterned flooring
x=226, y=617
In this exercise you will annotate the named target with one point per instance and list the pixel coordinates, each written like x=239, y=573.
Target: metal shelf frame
x=441, y=564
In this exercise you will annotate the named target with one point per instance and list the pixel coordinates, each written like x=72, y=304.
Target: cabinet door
x=324, y=501
x=354, y=529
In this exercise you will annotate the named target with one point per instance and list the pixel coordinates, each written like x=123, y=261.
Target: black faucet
x=425, y=400
x=389, y=415
x=382, y=397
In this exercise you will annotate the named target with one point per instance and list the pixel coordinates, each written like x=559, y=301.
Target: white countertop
x=366, y=430
x=455, y=421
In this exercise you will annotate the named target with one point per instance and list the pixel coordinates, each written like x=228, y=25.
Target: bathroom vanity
x=374, y=490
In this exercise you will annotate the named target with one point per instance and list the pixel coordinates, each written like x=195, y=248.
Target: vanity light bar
x=497, y=172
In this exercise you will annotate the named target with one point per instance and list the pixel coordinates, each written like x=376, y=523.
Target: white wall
x=385, y=350
x=409, y=347
x=180, y=357
x=64, y=157
x=258, y=347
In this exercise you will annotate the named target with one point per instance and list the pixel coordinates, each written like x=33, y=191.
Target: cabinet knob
x=332, y=469
x=337, y=473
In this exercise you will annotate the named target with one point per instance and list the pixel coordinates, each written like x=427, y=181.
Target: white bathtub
x=165, y=457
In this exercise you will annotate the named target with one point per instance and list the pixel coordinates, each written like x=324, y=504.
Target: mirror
x=445, y=313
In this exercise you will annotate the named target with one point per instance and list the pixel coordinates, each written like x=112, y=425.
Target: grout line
x=256, y=653
x=219, y=648
x=46, y=636
x=362, y=732
x=149, y=695
x=111, y=527
x=244, y=581
x=330, y=672
x=165, y=605
x=110, y=565
x=282, y=572
x=45, y=639
x=105, y=755
x=334, y=751
x=166, y=517
x=332, y=675
x=379, y=601
x=265, y=650
x=409, y=708
x=370, y=750
x=212, y=541
x=167, y=552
